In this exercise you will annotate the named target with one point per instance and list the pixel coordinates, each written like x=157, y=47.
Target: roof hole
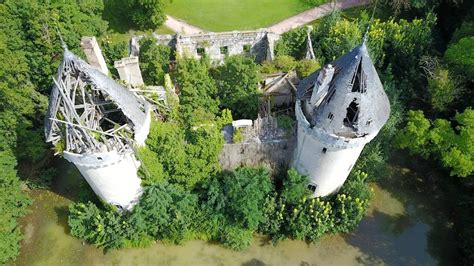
x=352, y=115
x=359, y=79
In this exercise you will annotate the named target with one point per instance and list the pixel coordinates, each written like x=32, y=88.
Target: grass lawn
x=227, y=15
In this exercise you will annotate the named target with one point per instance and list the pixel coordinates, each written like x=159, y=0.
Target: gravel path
x=313, y=14
x=300, y=19
x=182, y=27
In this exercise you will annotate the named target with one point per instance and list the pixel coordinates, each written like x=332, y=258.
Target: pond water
x=405, y=225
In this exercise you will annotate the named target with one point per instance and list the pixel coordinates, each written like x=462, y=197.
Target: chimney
x=94, y=56
x=129, y=71
x=321, y=86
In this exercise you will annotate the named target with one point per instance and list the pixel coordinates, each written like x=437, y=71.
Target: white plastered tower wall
x=112, y=176
x=326, y=160
x=339, y=109
x=99, y=145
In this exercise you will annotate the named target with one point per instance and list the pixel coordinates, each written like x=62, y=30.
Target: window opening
x=330, y=116
x=200, y=51
x=224, y=49
x=246, y=48
x=312, y=187
x=359, y=79
x=352, y=115
x=325, y=150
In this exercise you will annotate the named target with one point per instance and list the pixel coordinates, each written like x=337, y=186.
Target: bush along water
x=229, y=208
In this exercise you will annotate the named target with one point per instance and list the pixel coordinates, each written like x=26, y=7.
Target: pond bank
x=405, y=225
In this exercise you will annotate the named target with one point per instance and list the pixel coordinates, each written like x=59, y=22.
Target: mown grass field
x=227, y=15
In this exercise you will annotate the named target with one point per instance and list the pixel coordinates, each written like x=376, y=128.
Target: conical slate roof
x=353, y=104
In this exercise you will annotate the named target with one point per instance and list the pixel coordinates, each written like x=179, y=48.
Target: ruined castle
x=98, y=122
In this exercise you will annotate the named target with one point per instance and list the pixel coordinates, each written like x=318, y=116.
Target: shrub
x=237, y=82
x=147, y=14
x=306, y=67
x=442, y=89
x=285, y=122
x=461, y=56
x=284, y=63
x=236, y=238
x=154, y=60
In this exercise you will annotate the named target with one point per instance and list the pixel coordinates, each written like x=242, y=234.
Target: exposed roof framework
x=91, y=112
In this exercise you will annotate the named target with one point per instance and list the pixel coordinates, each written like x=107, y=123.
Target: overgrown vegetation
x=231, y=206
x=187, y=195
x=31, y=49
x=147, y=14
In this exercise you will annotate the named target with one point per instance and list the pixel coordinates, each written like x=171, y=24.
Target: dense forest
x=423, y=51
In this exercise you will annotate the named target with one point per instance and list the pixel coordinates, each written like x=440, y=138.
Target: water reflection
x=399, y=229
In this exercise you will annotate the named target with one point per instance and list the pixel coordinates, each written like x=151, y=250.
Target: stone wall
x=93, y=53
x=275, y=154
x=217, y=45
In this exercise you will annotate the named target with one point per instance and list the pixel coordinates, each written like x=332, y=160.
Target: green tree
x=294, y=187
x=452, y=146
x=147, y=14
x=442, y=89
x=12, y=206
x=461, y=56
x=154, y=61
x=114, y=51
x=237, y=84
x=307, y=67
x=187, y=157
x=292, y=43
x=197, y=89
x=246, y=191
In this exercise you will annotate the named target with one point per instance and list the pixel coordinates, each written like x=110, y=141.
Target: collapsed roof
x=346, y=97
x=91, y=112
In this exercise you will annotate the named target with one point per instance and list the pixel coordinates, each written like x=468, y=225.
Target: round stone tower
x=339, y=109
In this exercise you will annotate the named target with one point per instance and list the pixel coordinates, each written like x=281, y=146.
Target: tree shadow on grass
x=117, y=14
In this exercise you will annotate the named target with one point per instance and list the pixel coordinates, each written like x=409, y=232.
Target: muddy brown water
x=404, y=226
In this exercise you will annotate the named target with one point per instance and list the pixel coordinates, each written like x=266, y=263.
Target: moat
x=405, y=225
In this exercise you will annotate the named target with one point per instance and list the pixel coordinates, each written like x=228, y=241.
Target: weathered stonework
x=273, y=154
x=93, y=54
x=258, y=43
x=129, y=70
x=263, y=144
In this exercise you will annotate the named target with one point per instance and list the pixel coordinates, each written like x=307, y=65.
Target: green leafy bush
x=147, y=14
x=461, y=56
x=237, y=82
x=154, y=60
x=285, y=122
x=452, y=146
x=306, y=67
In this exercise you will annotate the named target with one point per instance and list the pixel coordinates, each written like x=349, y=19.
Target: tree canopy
x=147, y=14
x=237, y=83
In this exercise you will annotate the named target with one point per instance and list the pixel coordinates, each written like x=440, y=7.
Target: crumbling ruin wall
x=258, y=43
x=275, y=154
